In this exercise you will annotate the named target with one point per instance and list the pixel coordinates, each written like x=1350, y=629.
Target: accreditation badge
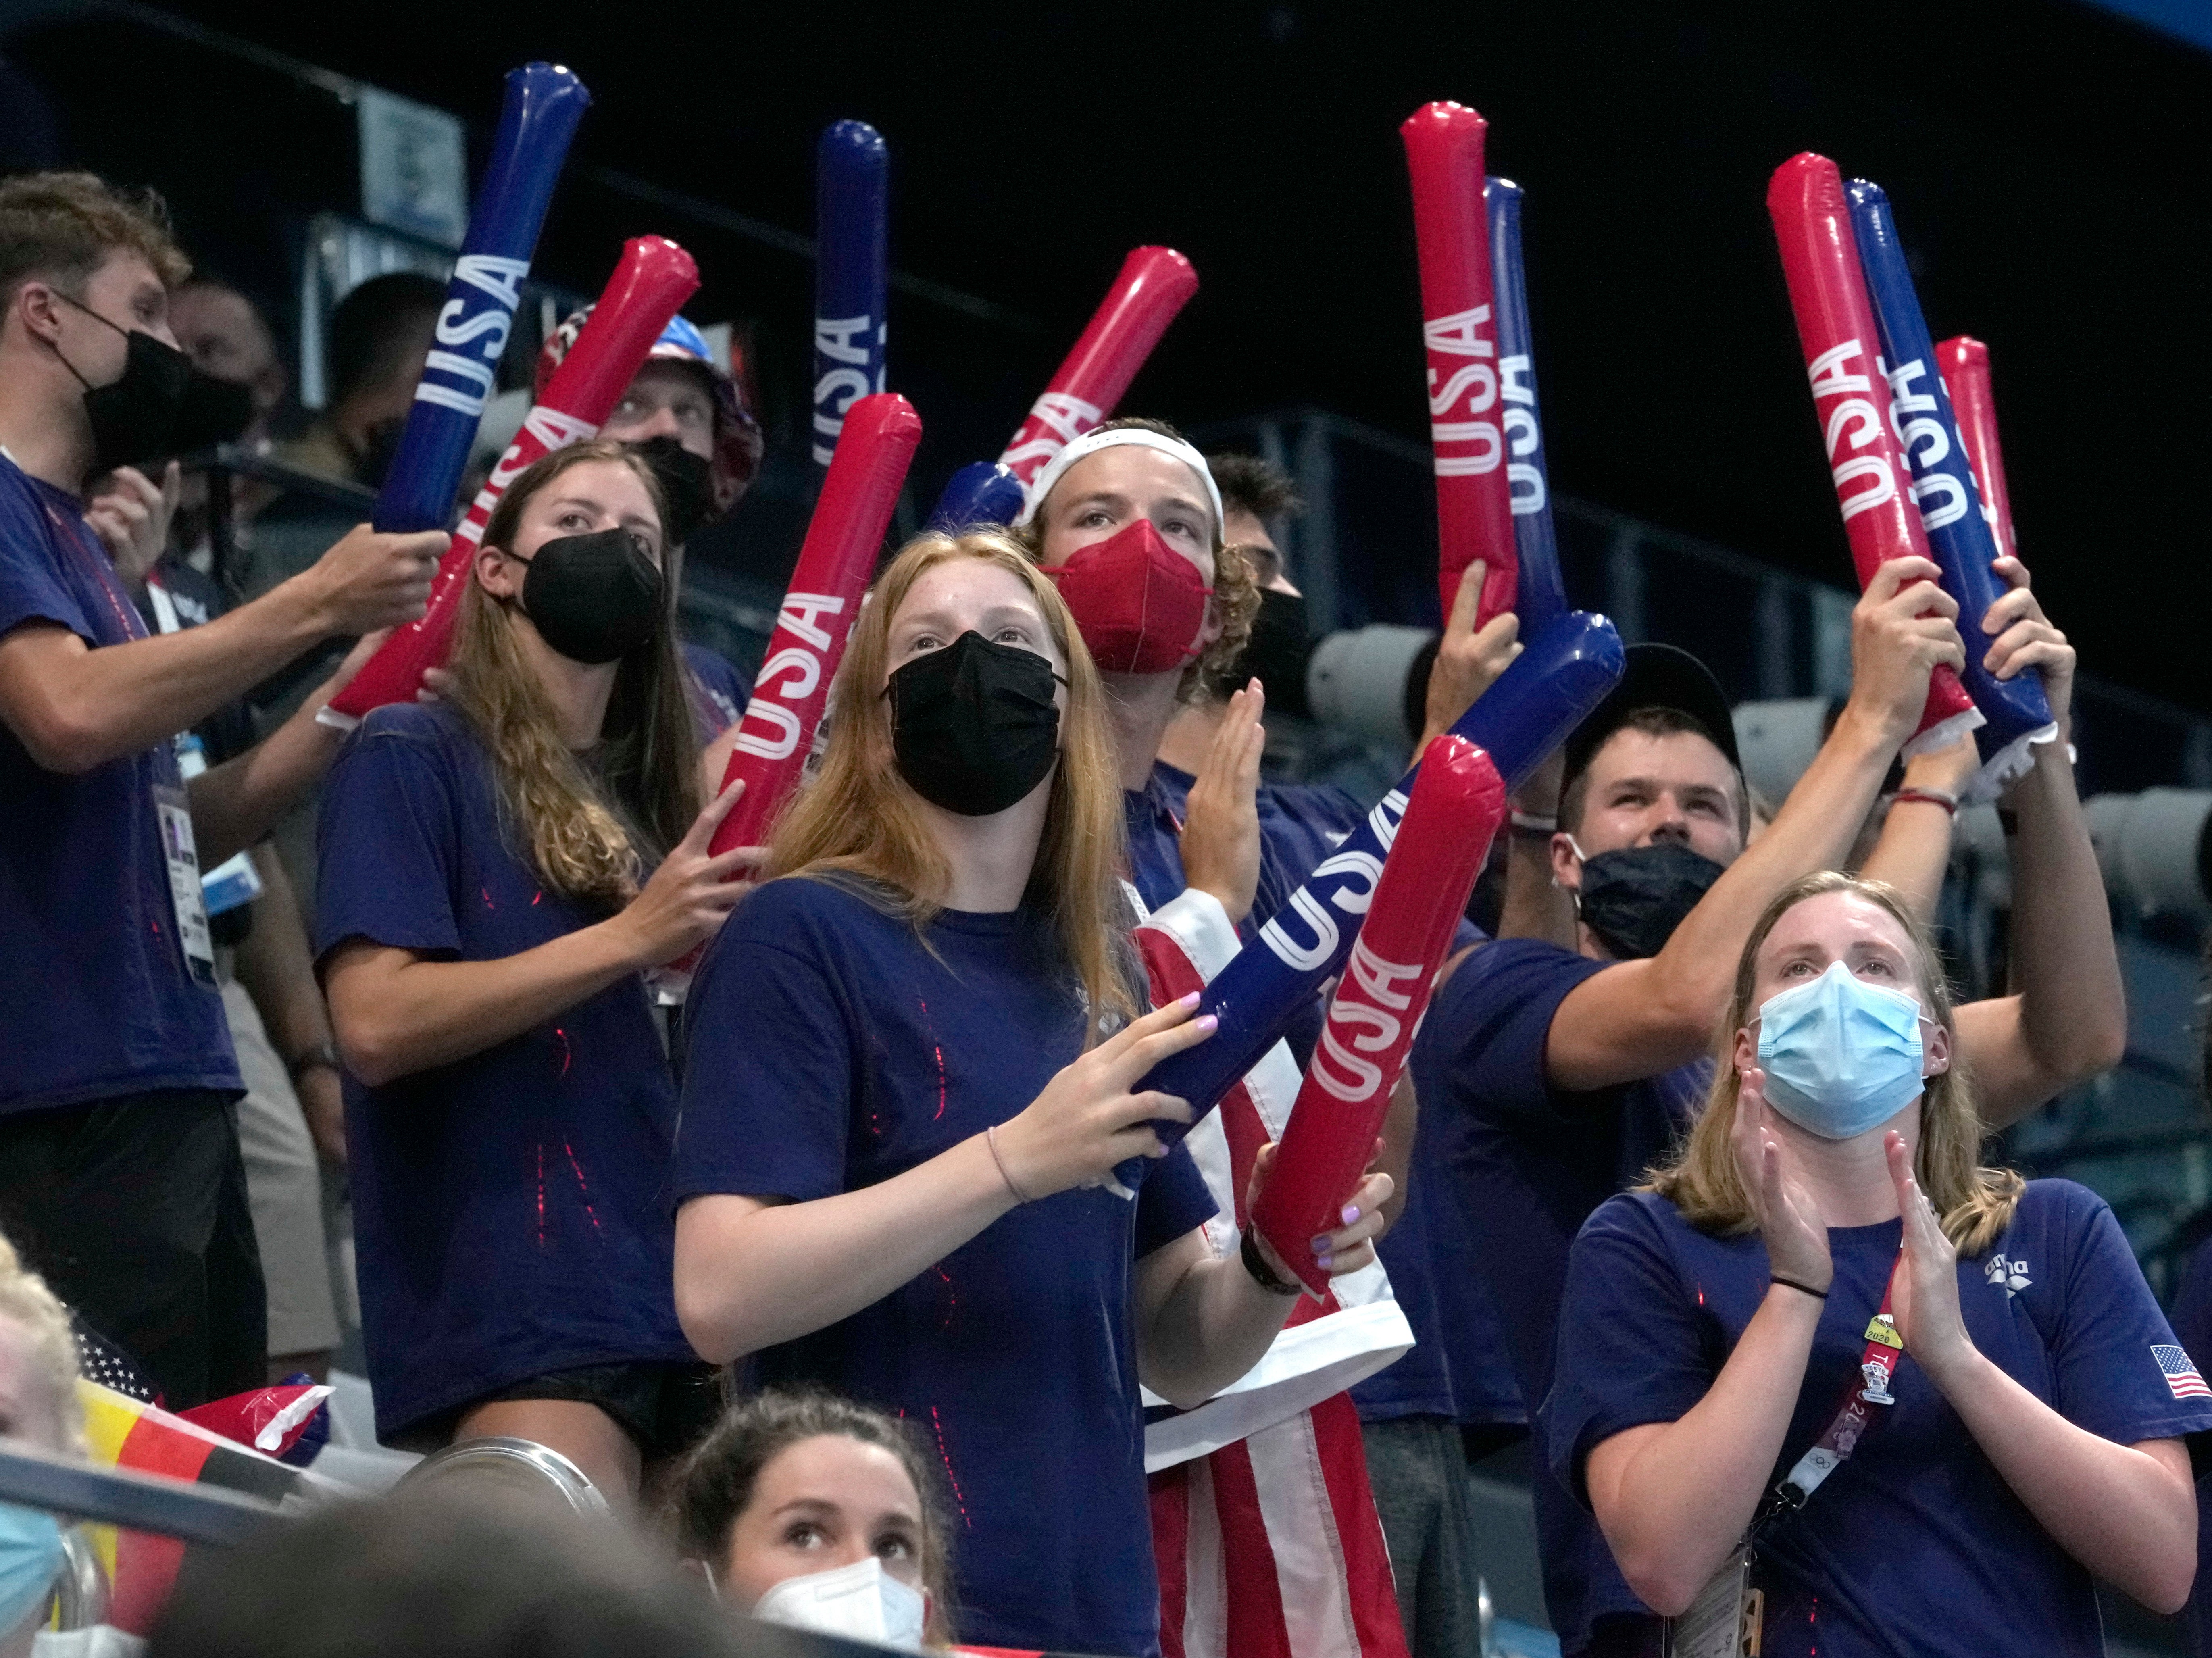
x=1725, y=1620
x=175, y=819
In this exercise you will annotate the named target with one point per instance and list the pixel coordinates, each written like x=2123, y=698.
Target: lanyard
x=1877, y=1366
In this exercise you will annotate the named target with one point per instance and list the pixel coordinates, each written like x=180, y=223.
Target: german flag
x=123, y=1432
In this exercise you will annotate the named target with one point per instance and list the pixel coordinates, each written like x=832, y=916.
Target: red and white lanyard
x=1877, y=1366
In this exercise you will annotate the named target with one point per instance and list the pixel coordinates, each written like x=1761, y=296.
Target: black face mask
x=162, y=405
x=1633, y=899
x=974, y=727
x=687, y=485
x=594, y=598
x=1278, y=652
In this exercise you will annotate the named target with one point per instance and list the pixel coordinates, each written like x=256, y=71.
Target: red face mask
x=1139, y=603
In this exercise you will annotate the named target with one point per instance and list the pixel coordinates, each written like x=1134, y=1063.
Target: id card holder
x=175, y=819
x=1725, y=1620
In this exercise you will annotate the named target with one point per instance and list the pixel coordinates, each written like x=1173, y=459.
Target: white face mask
x=861, y=1602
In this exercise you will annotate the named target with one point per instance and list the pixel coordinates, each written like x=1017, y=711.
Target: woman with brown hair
x=805, y=1508
x=908, y=1083
x=1826, y=1377
x=497, y=870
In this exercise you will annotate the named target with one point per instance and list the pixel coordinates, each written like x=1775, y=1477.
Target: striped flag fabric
x=2173, y=1364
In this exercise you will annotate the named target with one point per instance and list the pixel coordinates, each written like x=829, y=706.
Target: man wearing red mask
x=1128, y=520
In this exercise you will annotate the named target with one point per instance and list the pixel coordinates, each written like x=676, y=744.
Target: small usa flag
x=2180, y=1375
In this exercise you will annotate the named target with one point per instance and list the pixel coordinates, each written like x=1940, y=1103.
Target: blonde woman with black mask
x=498, y=869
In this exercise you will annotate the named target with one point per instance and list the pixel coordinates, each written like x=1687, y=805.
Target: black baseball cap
x=1656, y=677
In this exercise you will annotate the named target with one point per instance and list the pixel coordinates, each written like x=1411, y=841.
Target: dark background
x=2046, y=160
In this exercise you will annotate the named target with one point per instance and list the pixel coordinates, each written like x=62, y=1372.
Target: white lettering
x=1855, y=412
x=1930, y=432
x=842, y=339
x=1882, y=488
x=1360, y=866
x=1513, y=373
x=1526, y=484
x=1454, y=335
x=1360, y=1078
x=500, y=279
x=1379, y=978
x=1953, y=506
x=446, y=397
x=804, y=667
x=1826, y=371
x=456, y=327
x=1520, y=433
x=1477, y=374
x=778, y=747
x=800, y=612
x=1304, y=958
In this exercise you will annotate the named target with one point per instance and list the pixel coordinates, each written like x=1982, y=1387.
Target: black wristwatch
x=322, y=1053
x=1256, y=1264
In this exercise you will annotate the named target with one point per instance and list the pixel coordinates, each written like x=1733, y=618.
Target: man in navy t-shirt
x=119, y=1170
x=1565, y=1073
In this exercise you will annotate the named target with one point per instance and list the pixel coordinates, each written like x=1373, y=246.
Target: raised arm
x=1914, y=851
x=1639, y=1018
x=397, y=1012
x=2067, y=1019
x=751, y=1272
x=1673, y=1497
x=74, y=708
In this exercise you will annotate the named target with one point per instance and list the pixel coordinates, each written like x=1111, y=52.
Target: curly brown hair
x=61, y=226
x=1235, y=586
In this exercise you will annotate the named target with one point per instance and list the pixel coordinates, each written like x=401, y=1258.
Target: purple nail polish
x=1325, y=1263
x=1350, y=1213
x=1209, y=1023
x=1319, y=1245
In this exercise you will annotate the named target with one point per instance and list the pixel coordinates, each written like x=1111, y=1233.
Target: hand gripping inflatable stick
x=649, y=286
x=543, y=104
x=1964, y=361
x=852, y=274
x=1474, y=511
x=1458, y=801
x=1154, y=284
x=1566, y=672
x=1543, y=592
x=2016, y=713
x=858, y=496
x=1836, y=328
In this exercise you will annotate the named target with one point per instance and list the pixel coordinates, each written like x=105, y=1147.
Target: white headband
x=1099, y=438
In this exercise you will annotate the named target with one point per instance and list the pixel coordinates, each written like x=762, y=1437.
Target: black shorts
x=134, y=1211
x=666, y=1408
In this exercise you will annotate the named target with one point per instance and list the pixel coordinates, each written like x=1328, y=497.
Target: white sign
x=414, y=167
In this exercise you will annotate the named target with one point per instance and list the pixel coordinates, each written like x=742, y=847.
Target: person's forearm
x=750, y=1276
x=121, y=700
x=1912, y=853
x=2117, y=1509
x=277, y=967
x=1683, y=1499
x=236, y=803
x=395, y=1019
x=1214, y=1326
x=2074, y=1012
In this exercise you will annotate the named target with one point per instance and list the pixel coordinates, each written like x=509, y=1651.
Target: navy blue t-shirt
x=718, y=699
x=1529, y=1163
x=1153, y=818
x=830, y=1048
x=2192, y=1325
x=1457, y=1368
x=509, y=1209
x=1916, y=1545
x=105, y=1003
x=1304, y=823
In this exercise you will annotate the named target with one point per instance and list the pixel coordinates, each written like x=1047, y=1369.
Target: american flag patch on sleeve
x=2180, y=1375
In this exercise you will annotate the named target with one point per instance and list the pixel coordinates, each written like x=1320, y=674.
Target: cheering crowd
x=863, y=1277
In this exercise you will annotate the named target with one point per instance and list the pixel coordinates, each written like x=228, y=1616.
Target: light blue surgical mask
x=30, y=1559
x=1841, y=1055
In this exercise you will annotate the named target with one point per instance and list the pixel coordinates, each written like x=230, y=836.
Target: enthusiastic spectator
x=120, y=1175
x=1945, y=1480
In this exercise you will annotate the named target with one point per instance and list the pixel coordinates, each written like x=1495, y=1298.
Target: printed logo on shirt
x=2009, y=1276
x=1883, y=1329
x=2180, y=1375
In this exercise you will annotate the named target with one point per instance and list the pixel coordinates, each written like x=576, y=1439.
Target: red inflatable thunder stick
x=1850, y=397
x=1459, y=327
x=1964, y=363
x=859, y=492
x=648, y=287
x=1458, y=803
x=1155, y=283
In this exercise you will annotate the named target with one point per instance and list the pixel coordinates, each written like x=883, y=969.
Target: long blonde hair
x=584, y=841
x=860, y=817
x=1975, y=1204
x=25, y=1298
x=1235, y=586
